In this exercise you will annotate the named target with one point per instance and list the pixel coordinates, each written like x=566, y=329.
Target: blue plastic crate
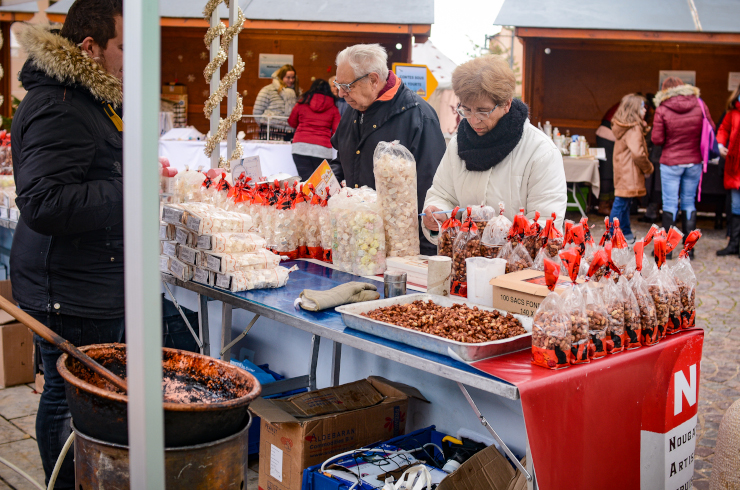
x=254, y=430
x=313, y=479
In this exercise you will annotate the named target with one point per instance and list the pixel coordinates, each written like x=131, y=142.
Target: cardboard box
x=16, y=346
x=486, y=469
x=521, y=292
x=289, y=443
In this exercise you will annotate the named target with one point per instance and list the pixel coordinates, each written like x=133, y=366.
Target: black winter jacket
x=67, y=254
x=407, y=118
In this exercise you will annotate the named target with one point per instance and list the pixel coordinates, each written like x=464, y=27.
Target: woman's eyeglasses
x=467, y=113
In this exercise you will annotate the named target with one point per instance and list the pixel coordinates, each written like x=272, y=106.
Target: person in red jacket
x=315, y=118
x=728, y=138
x=677, y=128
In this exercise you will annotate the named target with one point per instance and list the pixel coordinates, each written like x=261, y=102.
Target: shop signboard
x=270, y=63
x=250, y=166
x=418, y=78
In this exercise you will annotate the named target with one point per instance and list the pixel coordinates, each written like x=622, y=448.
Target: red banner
x=626, y=421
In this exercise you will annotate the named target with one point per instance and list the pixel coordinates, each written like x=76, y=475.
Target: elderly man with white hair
x=382, y=108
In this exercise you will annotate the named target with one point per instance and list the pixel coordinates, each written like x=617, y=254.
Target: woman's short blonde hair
x=629, y=109
x=486, y=77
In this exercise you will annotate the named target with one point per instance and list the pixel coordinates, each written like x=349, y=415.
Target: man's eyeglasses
x=467, y=113
x=347, y=87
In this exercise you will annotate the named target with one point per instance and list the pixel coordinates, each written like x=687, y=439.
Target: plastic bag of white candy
x=395, y=181
x=255, y=279
x=206, y=219
x=261, y=259
x=231, y=242
x=188, y=185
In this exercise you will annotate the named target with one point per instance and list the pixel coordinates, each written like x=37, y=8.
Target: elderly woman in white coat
x=496, y=155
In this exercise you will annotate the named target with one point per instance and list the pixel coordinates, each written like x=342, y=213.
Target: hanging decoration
x=191, y=78
x=314, y=56
x=227, y=35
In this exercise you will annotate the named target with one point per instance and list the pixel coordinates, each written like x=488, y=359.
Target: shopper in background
x=496, y=155
x=315, y=119
x=653, y=198
x=277, y=99
x=605, y=139
x=728, y=138
x=66, y=262
x=341, y=103
x=631, y=162
x=383, y=108
x=677, y=127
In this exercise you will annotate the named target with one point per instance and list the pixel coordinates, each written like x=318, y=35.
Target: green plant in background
x=7, y=122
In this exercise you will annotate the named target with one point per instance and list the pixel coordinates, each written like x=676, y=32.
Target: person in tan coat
x=631, y=162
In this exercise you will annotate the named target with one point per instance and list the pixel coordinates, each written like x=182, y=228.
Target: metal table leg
x=531, y=484
x=184, y=317
x=315, y=342
x=226, y=313
x=203, y=325
x=336, y=360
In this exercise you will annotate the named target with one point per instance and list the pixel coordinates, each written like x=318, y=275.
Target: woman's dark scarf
x=484, y=152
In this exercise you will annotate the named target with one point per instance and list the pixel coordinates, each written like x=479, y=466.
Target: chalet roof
x=378, y=11
x=630, y=15
x=26, y=7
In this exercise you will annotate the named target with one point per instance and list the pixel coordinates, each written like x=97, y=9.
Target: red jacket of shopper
x=315, y=122
x=729, y=137
x=677, y=124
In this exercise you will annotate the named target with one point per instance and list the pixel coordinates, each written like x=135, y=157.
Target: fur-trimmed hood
x=64, y=62
x=684, y=89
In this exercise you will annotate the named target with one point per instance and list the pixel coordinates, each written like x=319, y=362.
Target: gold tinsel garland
x=2, y=72
x=214, y=101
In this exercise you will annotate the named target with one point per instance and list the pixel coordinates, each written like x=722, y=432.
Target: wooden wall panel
x=183, y=49
x=581, y=80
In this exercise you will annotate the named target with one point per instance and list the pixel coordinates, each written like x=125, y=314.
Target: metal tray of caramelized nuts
x=466, y=352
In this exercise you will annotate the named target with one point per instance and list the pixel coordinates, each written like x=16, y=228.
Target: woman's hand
x=722, y=151
x=429, y=218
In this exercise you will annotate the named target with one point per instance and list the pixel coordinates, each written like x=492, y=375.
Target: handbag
x=707, y=145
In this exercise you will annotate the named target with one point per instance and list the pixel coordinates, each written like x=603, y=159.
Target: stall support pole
x=226, y=313
x=141, y=61
x=205, y=335
x=231, y=141
x=315, y=343
x=215, y=79
x=336, y=361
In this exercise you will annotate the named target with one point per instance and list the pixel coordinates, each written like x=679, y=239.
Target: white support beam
x=231, y=141
x=141, y=91
x=215, y=79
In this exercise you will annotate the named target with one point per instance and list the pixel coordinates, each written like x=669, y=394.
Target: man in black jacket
x=383, y=108
x=66, y=263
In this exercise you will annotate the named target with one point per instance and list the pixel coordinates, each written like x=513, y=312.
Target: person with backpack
x=315, y=118
x=631, y=162
x=728, y=138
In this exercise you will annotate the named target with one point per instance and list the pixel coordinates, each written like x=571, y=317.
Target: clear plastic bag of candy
x=231, y=242
x=596, y=308
x=665, y=294
x=648, y=312
x=254, y=279
x=632, y=322
x=575, y=306
x=447, y=234
x=225, y=262
x=518, y=260
x=187, y=185
x=494, y=235
x=550, y=239
x=467, y=244
x=613, y=298
x=686, y=281
x=551, y=328
x=394, y=168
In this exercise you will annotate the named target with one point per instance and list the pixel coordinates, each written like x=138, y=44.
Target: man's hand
x=429, y=218
x=722, y=151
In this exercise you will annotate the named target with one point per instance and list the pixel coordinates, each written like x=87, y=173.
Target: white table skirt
x=274, y=157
